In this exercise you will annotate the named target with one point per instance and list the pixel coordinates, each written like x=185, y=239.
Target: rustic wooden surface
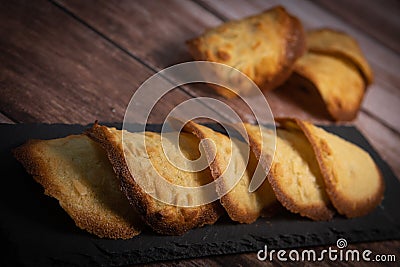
x=381, y=18
x=79, y=61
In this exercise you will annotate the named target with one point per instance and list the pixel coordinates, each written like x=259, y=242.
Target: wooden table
x=80, y=61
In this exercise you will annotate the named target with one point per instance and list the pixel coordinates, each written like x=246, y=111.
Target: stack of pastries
x=306, y=169
x=272, y=47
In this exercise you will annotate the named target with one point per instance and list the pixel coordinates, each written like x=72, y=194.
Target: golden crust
x=353, y=181
x=70, y=169
x=339, y=44
x=264, y=47
x=338, y=83
x=240, y=204
x=301, y=189
x=162, y=218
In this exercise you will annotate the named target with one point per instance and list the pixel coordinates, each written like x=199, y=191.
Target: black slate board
x=37, y=232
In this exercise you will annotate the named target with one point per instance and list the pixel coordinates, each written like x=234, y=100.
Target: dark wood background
x=80, y=61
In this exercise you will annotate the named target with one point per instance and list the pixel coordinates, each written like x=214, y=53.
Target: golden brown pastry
x=264, y=47
x=338, y=82
x=229, y=163
x=76, y=171
x=294, y=176
x=162, y=218
x=341, y=45
x=353, y=182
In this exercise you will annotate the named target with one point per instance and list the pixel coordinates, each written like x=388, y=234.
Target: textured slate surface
x=37, y=232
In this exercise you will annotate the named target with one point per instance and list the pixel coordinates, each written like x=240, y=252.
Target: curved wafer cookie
x=339, y=84
x=264, y=47
x=341, y=45
x=353, y=181
x=76, y=171
x=162, y=218
x=294, y=175
x=229, y=162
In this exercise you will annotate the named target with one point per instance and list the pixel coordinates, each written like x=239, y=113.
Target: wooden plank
x=377, y=18
x=130, y=25
x=177, y=17
x=250, y=259
x=158, y=43
x=385, y=62
x=384, y=105
x=54, y=69
x=385, y=141
x=154, y=31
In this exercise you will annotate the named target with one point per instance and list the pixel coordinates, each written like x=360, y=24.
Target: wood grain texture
x=385, y=62
x=154, y=31
x=382, y=104
x=379, y=19
x=178, y=21
x=54, y=69
x=158, y=43
x=250, y=259
x=384, y=140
